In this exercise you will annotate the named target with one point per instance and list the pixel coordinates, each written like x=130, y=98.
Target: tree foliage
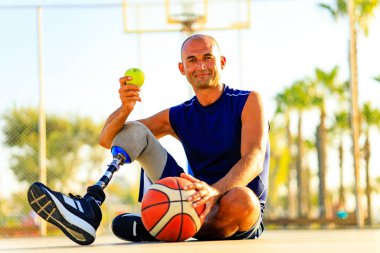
x=65, y=139
x=364, y=10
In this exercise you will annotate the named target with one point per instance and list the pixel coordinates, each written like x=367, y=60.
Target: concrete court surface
x=272, y=241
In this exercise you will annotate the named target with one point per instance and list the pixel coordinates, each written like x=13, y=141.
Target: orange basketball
x=166, y=213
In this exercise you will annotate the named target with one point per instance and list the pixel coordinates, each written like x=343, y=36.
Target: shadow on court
x=272, y=241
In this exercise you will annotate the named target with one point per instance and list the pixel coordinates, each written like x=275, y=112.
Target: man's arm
x=113, y=125
x=129, y=95
x=159, y=123
x=254, y=138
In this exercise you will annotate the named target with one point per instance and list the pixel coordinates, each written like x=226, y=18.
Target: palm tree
x=295, y=98
x=284, y=107
x=339, y=129
x=359, y=12
x=279, y=166
x=325, y=85
x=300, y=100
x=364, y=11
x=371, y=118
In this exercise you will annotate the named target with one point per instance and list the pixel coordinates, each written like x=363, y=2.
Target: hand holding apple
x=137, y=76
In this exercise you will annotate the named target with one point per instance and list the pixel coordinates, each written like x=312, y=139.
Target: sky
x=85, y=51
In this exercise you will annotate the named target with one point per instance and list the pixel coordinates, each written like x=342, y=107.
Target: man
x=225, y=137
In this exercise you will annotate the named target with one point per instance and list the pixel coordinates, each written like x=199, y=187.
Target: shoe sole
x=43, y=204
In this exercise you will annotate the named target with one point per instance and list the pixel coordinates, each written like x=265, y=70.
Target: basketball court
x=188, y=17
x=272, y=241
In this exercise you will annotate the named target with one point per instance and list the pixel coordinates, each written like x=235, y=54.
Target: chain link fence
x=74, y=161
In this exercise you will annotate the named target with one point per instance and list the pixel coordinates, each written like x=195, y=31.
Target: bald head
x=200, y=37
x=201, y=62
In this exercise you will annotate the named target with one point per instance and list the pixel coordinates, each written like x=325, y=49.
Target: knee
x=136, y=127
x=240, y=200
x=132, y=138
x=131, y=132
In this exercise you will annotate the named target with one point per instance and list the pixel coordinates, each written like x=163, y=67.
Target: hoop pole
x=41, y=114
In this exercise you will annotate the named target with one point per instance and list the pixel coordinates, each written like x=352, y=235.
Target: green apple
x=137, y=76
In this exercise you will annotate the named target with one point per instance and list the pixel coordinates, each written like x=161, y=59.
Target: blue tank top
x=211, y=137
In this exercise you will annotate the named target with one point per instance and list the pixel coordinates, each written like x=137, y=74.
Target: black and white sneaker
x=129, y=227
x=77, y=217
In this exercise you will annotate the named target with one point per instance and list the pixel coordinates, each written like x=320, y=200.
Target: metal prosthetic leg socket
x=96, y=191
x=120, y=154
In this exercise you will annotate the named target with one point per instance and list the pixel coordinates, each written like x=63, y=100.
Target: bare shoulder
x=253, y=114
x=254, y=103
x=254, y=95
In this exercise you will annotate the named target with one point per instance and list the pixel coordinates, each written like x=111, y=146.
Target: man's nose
x=201, y=64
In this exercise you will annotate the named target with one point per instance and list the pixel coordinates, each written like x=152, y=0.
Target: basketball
x=166, y=213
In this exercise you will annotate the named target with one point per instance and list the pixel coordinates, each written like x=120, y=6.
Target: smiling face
x=201, y=62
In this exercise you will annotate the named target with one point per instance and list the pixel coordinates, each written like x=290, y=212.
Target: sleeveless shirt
x=211, y=137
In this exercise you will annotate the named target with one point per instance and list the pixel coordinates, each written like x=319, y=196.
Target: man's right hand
x=129, y=94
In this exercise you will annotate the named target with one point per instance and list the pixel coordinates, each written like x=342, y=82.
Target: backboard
x=189, y=16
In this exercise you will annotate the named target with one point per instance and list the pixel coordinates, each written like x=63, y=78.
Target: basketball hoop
x=187, y=21
x=188, y=16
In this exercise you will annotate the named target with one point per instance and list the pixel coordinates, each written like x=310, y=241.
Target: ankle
x=97, y=193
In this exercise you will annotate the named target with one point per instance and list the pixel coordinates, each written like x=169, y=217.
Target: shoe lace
x=75, y=196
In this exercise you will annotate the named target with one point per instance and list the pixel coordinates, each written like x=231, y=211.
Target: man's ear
x=181, y=68
x=223, y=61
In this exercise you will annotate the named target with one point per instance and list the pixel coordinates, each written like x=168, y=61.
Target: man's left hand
x=204, y=194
